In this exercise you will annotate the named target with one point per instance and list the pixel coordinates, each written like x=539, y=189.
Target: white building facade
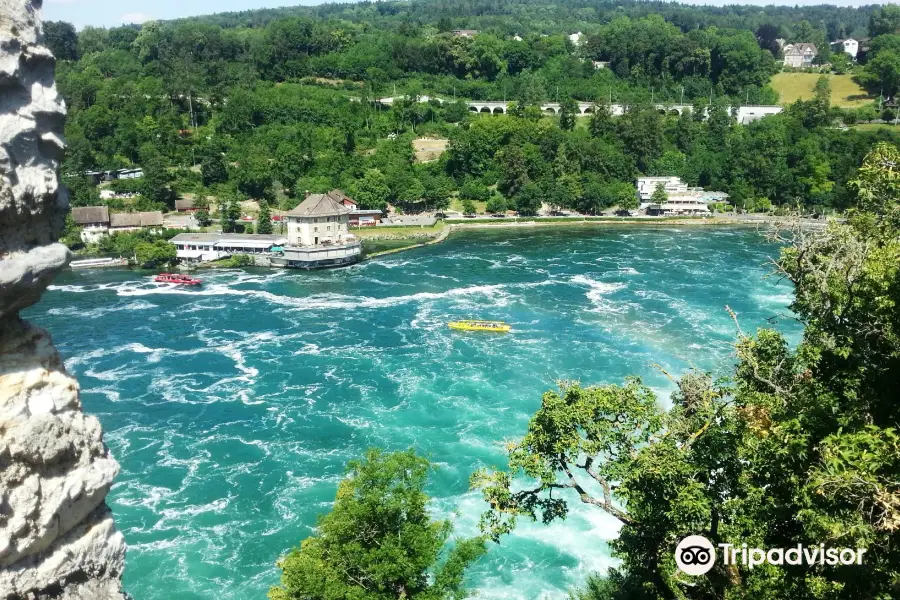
x=681, y=200
x=318, y=233
x=647, y=185
x=681, y=204
x=850, y=46
x=203, y=247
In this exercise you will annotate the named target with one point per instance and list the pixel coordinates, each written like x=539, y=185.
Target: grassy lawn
x=845, y=92
x=877, y=126
x=429, y=149
x=457, y=205
x=367, y=232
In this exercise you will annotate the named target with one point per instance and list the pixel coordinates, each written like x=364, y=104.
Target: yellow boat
x=496, y=326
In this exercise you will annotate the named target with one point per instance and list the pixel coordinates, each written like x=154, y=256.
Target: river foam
x=234, y=407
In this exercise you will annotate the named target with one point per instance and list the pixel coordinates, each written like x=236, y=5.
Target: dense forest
x=269, y=104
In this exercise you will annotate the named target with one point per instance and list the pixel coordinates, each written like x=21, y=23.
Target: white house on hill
x=850, y=46
x=800, y=55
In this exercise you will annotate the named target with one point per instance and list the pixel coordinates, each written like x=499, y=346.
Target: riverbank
x=441, y=231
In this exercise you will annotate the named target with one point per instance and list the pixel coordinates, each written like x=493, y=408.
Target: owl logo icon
x=695, y=555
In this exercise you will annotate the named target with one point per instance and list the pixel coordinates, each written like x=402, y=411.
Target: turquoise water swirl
x=233, y=408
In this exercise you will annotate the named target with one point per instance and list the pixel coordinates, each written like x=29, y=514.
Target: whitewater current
x=234, y=407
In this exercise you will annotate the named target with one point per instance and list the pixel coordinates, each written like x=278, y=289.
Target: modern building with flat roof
x=680, y=198
x=647, y=185
x=213, y=246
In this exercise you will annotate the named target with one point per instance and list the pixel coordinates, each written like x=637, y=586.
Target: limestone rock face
x=32, y=201
x=57, y=536
x=55, y=529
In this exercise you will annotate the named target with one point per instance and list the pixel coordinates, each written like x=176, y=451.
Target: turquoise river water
x=233, y=408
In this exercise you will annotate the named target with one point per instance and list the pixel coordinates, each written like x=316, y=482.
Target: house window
x=316, y=229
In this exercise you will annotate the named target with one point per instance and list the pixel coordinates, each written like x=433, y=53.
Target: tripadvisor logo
x=695, y=555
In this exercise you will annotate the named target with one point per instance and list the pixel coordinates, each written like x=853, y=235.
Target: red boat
x=176, y=278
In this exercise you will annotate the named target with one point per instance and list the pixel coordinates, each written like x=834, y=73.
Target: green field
x=877, y=126
x=845, y=92
x=397, y=232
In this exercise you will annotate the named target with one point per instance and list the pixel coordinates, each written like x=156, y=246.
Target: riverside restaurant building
x=317, y=237
x=204, y=247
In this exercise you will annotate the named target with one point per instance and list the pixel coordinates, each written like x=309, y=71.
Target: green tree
x=437, y=191
x=474, y=190
x=378, y=541
x=528, y=200
x=62, y=40
x=202, y=217
x=156, y=180
x=599, y=196
x=264, y=219
x=468, y=207
x=154, y=254
x=556, y=194
x=568, y=110
x=642, y=133
x=659, y=195
x=213, y=169
x=293, y=160
x=407, y=190
x=885, y=20
x=496, y=204
x=71, y=233
x=253, y=175
x=883, y=71
x=372, y=190
x=515, y=171
x=601, y=123
x=229, y=213
x=81, y=191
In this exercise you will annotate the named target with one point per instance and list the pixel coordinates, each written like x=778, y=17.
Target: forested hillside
x=268, y=104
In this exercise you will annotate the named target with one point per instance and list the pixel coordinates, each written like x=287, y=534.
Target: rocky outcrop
x=56, y=533
x=57, y=536
x=32, y=203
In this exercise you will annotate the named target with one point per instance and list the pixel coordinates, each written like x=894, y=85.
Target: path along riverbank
x=435, y=237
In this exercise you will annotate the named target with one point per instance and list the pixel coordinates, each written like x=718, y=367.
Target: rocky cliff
x=57, y=536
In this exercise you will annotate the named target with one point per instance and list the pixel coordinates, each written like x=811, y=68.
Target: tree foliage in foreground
x=798, y=447
x=378, y=542
x=155, y=253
